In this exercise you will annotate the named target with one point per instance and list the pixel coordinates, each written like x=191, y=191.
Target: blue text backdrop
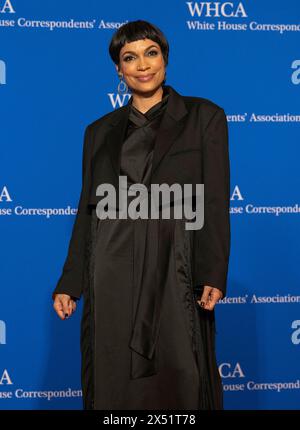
x=56, y=77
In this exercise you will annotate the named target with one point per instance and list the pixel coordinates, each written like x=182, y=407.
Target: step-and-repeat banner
x=56, y=77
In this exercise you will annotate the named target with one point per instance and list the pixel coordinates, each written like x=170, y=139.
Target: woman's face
x=142, y=58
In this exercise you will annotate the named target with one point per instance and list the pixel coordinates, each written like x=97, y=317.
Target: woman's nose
x=142, y=65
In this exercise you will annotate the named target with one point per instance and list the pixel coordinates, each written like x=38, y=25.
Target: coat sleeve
x=214, y=237
x=71, y=279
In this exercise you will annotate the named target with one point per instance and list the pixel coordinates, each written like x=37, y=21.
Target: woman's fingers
x=210, y=297
x=65, y=300
x=58, y=307
x=204, y=300
x=64, y=305
x=73, y=305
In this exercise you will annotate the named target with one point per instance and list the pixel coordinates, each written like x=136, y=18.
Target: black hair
x=137, y=30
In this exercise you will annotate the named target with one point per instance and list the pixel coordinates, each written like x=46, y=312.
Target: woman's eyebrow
x=132, y=52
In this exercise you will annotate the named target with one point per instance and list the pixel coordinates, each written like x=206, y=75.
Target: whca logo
x=214, y=9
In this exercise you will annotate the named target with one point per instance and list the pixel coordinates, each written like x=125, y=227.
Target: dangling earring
x=125, y=86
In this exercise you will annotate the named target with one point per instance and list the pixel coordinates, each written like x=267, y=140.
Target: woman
x=149, y=285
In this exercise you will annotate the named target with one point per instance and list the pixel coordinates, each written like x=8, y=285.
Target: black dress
x=182, y=371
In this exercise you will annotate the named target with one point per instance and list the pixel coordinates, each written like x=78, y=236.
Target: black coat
x=191, y=147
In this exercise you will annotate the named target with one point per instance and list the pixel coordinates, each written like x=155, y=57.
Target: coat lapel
x=169, y=129
x=115, y=137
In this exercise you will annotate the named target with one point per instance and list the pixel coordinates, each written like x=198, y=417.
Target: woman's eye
x=130, y=56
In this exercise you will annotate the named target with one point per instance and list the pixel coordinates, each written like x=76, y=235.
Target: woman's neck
x=144, y=101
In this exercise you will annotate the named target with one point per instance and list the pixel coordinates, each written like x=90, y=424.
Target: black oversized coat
x=191, y=147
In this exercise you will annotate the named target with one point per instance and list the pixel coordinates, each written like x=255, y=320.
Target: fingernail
x=202, y=304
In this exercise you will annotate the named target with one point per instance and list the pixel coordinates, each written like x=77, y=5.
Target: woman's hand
x=64, y=305
x=210, y=297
